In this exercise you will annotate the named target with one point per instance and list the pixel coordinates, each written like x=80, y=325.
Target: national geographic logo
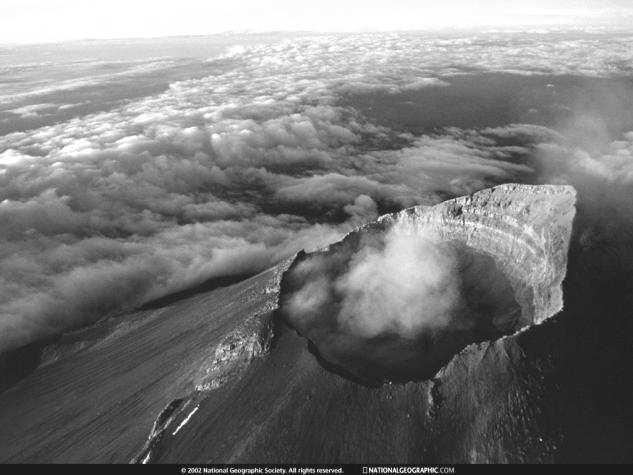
x=407, y=470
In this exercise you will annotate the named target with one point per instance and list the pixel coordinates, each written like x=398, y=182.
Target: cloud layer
x=228, y=173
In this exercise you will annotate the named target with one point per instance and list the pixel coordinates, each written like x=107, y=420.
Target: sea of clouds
x=228, y=173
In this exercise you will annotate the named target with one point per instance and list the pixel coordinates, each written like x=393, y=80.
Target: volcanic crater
x=501, y=255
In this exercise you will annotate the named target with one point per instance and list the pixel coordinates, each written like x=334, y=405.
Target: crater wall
x=397, y=298
x=525, y=228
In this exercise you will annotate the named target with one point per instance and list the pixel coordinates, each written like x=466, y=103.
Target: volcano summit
x=397, y=298
x=237, y=363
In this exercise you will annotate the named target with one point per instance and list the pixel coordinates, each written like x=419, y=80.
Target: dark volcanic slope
x=98, y=404
x=287, y=407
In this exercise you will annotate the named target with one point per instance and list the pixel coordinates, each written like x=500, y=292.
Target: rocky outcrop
x=251, y=339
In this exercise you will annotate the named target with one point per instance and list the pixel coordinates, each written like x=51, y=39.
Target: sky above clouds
x=32, y=21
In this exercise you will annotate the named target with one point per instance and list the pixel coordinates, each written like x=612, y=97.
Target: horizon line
x=527, y=28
